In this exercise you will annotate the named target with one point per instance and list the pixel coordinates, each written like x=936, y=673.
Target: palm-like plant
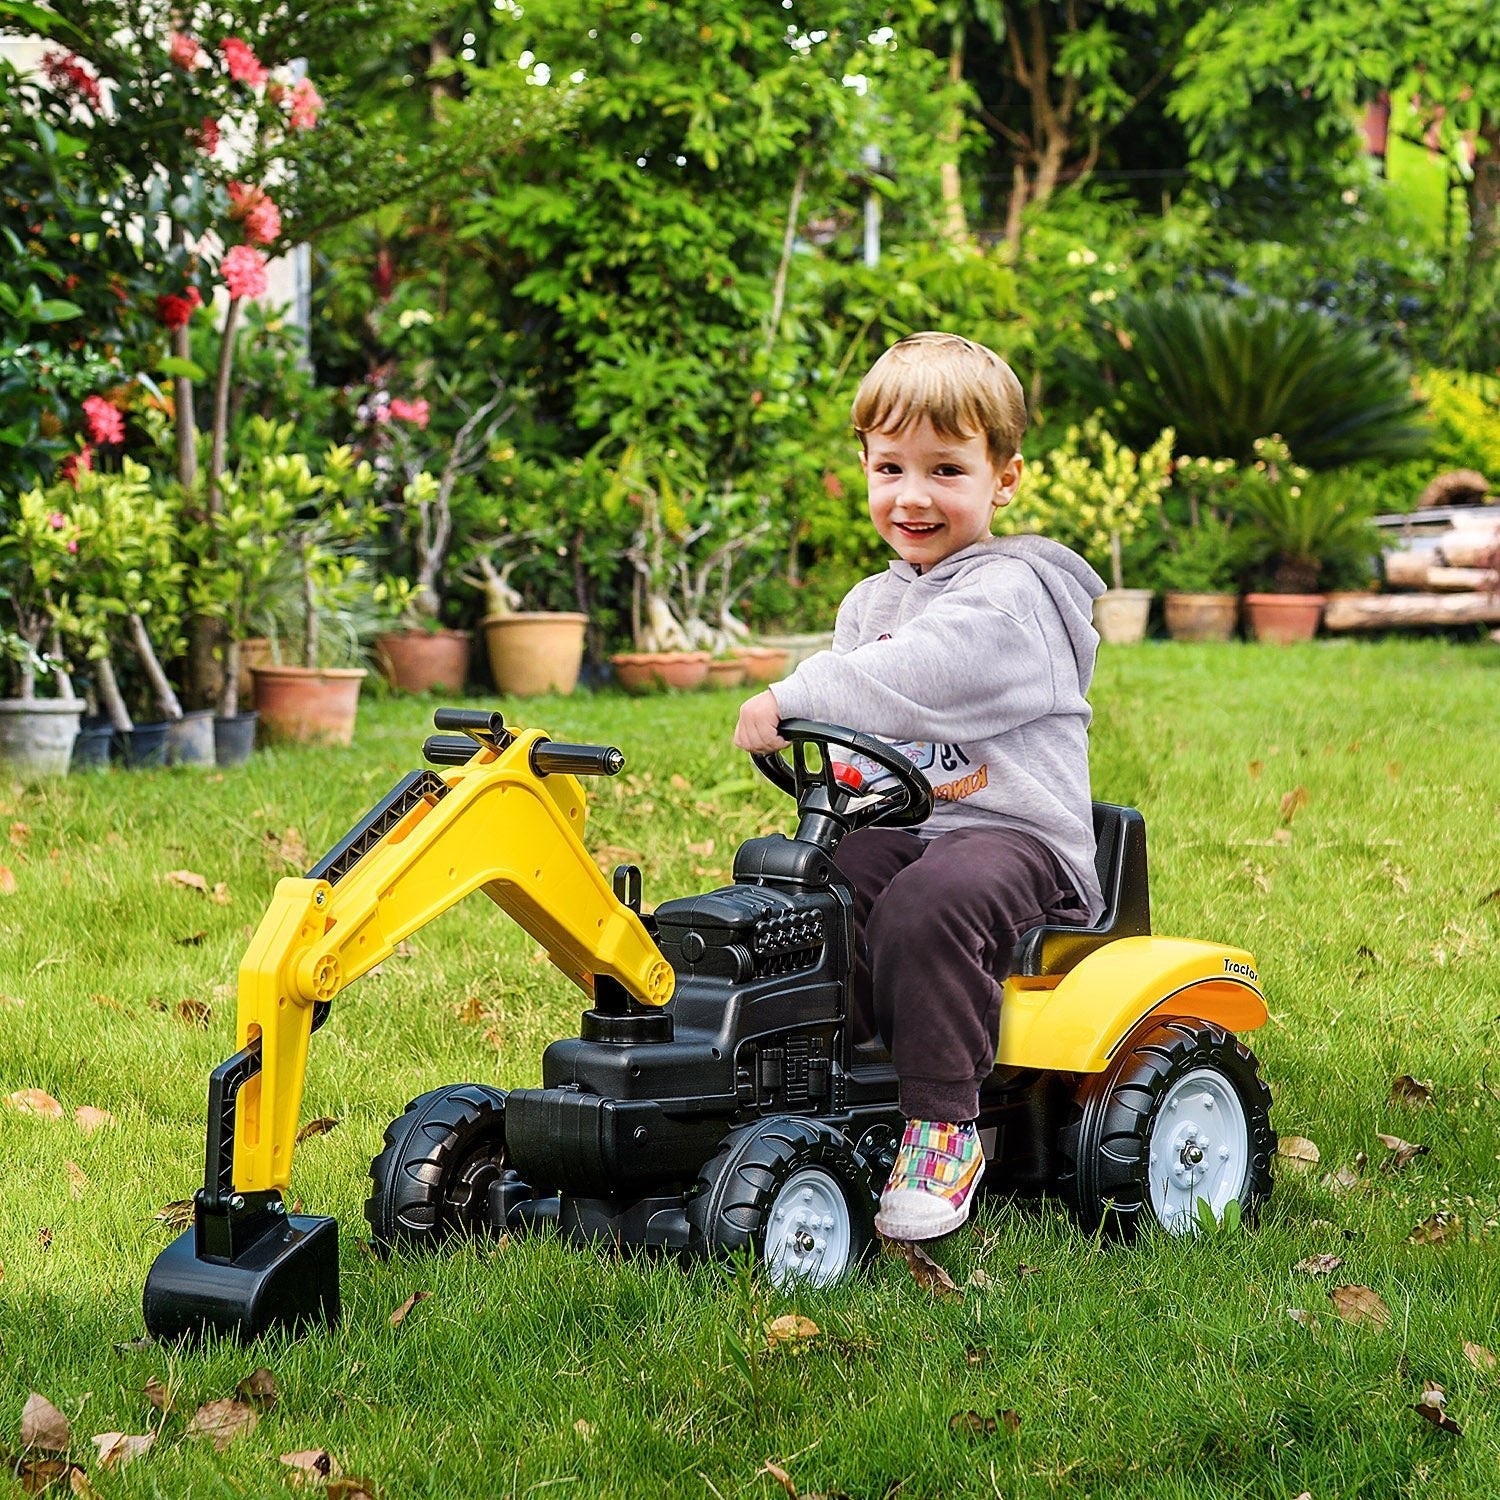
x=1226, y=372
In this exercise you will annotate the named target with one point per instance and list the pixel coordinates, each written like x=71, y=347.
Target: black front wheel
x=1181, y=1120
x=433, y=1178
x=794, y=1190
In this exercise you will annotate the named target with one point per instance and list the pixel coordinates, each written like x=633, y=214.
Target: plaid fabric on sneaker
x=931, y=1188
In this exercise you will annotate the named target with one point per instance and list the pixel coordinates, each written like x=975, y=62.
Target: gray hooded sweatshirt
x=978, y=669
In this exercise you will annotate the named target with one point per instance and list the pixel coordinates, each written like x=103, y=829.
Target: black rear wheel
x=794, y=1190
x=1181, y=1119
x=433, y=1178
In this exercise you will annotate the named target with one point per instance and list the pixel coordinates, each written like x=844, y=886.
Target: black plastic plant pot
x=91, y=748
x=143, y=747
x=288, y=1278
x=234, y=738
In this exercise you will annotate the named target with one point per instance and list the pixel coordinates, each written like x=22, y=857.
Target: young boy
x=973, y=652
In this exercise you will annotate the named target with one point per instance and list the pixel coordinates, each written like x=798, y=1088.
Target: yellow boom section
x=501, y=828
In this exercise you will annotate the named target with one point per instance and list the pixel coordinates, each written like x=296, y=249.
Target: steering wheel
x=834, y=788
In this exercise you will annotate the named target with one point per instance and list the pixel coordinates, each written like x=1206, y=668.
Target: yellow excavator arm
x=497, y=823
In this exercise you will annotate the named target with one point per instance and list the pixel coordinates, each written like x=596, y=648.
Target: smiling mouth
x=917, y=528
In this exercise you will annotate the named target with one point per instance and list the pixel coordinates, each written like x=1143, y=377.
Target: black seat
x=1120, y=859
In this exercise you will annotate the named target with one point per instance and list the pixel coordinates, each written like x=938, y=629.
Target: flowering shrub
x=1093, y=493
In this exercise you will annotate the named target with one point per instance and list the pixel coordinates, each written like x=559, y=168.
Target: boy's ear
x=864, y=460
x=1008, y=481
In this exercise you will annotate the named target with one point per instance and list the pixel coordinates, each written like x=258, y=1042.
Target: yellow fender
x=1075, y=1025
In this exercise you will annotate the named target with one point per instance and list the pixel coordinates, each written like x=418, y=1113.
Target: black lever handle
x=485, y=720
x=450, y=749
x=549, y=757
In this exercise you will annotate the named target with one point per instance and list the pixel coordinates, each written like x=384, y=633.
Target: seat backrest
x=1120, y=860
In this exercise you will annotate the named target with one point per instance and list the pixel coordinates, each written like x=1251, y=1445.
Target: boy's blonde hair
x=962, y=388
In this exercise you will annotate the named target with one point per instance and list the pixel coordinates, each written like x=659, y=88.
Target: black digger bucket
x=246, y=1266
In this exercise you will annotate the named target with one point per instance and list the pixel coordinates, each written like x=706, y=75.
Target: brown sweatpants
x=936, y=923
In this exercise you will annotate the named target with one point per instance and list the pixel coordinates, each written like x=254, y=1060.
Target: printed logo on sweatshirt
x=928, y=758
x=965, y=786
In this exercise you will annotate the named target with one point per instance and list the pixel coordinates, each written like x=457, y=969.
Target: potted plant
x=1203, y=552
x=129, y=597
x=1299, y=523
x=1095, y=494
x=240, y=572
x=37, y=552
x=310, y=691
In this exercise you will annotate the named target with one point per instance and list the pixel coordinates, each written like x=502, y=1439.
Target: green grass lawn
x=1334, y=808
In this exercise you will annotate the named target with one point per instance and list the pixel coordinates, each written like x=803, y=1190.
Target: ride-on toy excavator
x=714, y=1097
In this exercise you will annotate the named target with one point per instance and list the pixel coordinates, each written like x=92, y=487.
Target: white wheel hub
x=809, y=1236
x=1198, y=1149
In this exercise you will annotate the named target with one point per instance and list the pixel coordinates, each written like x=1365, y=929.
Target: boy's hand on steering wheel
x=756, y=730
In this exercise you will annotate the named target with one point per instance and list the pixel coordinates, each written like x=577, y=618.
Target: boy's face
x=932, y=496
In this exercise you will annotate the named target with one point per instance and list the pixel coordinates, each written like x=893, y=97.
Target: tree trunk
x=229, y=699
x=1390, y=611
x=955, y=225
x=161, y=689
x=1484, y=193
x=110, y=697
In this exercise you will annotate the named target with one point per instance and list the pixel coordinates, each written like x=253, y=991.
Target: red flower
x=244, y=66
x=415, y=412
x=183, y=50
x=175, y=311
x=253, y=208
x=206, y=136
x=106, y=423
x=244, y=271
x=307, y=105
x=67, y=74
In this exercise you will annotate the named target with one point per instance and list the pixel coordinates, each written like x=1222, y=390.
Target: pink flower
x=244, y=271
x=253, y=208
x=244, y=66
x=307, y=105
x=415, y=412
x=183, y=50
x=106, y=422
x=68, y=75
x=57, y=520
x=206, y=136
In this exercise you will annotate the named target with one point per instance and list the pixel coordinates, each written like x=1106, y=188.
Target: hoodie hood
x=1065, y=577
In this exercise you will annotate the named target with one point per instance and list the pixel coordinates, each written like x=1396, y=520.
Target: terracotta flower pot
x=633, y=671
x=1120, y=615
x=726, y=673
x=682, y=669
x=1284, y=618
x=417, y=661
x=308, y=703
x=533, y=653
x=1201, y=617
x=763, y=663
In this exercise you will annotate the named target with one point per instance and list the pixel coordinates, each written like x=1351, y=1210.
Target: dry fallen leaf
x=399, y=1316
x=90, y=1119
x=789, y=1328
x=1297, y=1153
x=258, y=1388
x=311, y=1466
x=1342, y=1181
x=116, y=1449
x=193, y=939
x=43, y=1426
x=36, y=1475
x=351, y=1489
x=1402, y=1152
x=1023, y=1270
x=926, y=1272
x=1358, y=1304
x=19, y=833
x=221, y=1422
x=1302, y=1316
x=1478, y=1356
x=1292, y=803
x=7, y=881
x=44, y=1237
x=78, y=1183
x=193, y=1012
x=35, y=1102
x=288, y=846
x=220, y=895
x=470, y=1011
x=1319, y=1265
x=321, y=1126
x=188, y=880
x=1437, y=1229
x=971, y=1424
x=1255, y=768
x=1431, y=1407
x=1408, y=1090
x=585, y=1429
x=781, y=1477
x=159, y=1396
x=980, y=1278
x=177, y=1214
